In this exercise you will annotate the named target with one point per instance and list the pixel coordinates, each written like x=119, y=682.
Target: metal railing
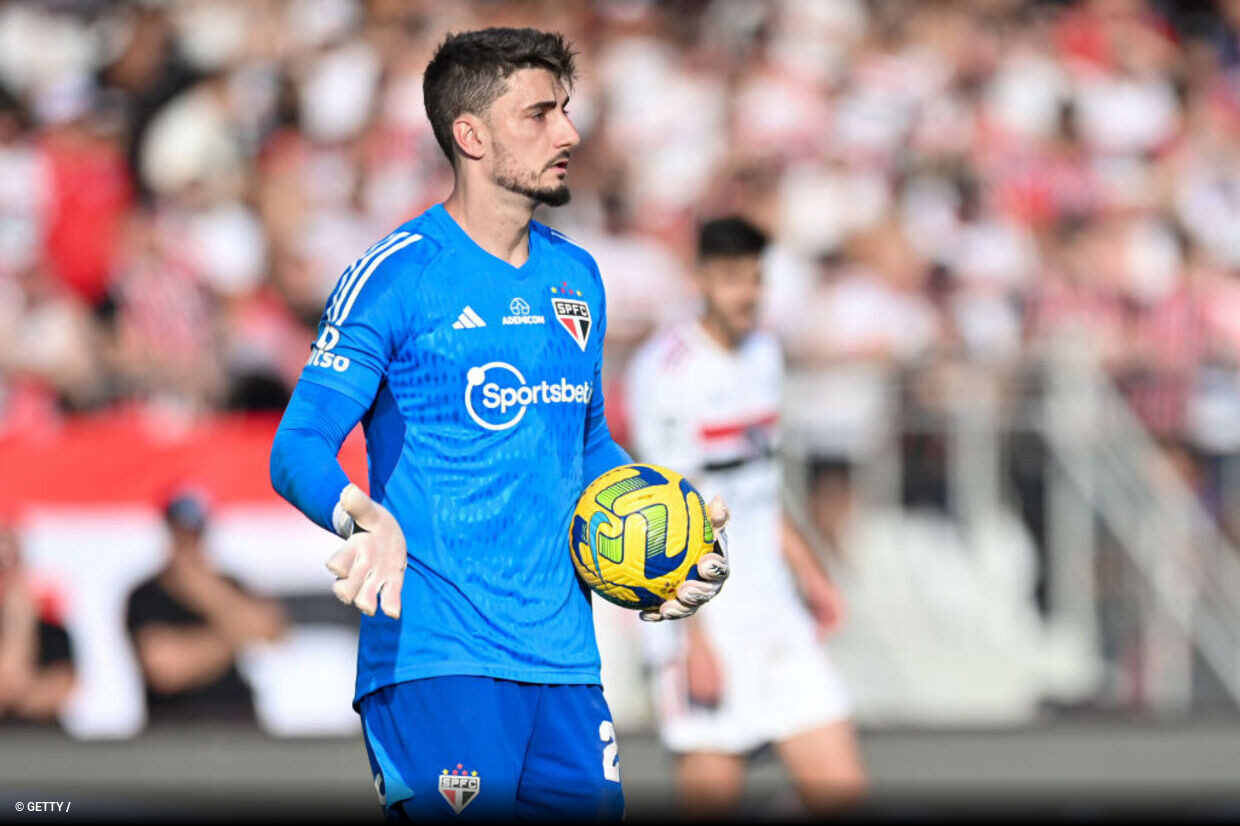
x=1190, y=570
x=1110, y=494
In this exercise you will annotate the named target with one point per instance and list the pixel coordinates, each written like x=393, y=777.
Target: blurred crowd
x=950, y=185
x=952, y=188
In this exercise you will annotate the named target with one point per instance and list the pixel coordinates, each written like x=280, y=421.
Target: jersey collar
x=464, y=241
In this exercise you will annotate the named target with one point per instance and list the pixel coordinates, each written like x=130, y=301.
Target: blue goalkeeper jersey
x=482, y=387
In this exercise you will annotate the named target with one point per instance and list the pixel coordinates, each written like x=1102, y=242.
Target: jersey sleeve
x=303, y=465
x=601, y=452
x=366, y=319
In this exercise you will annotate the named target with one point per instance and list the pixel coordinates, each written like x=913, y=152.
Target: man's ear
x=470, y=135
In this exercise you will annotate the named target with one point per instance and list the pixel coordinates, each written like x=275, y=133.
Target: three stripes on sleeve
x=355, y=277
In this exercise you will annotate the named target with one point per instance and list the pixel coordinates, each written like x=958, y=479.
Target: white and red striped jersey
x=712, y=414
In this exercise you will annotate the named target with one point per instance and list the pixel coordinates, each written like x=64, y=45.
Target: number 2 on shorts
x=611, y=753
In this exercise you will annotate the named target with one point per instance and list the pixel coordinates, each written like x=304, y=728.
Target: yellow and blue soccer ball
x=638, y=533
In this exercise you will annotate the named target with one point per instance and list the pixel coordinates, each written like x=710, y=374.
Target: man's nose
x=568, y=137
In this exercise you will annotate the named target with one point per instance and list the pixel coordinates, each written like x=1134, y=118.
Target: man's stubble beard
x=523, y=182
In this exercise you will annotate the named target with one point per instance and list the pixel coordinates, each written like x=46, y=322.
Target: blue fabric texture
x=304, y=469
x=478, y=388
x=479, y=749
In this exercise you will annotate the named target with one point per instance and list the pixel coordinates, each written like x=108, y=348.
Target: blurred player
x=704, y=398
x=468, y=343
x=188, y=624
x=36, y=660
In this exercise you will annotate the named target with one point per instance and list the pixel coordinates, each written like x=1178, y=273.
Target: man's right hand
x=371, y=563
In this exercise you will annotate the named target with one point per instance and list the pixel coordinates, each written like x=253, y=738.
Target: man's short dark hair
x=730, y=237
x=469, y=70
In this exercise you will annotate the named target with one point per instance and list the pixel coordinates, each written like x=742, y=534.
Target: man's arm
x=47, y=692
x=18, y=642
x=824, y=600
x=306, y=472
x=34, y=683
x=239, y=617
x=172, y=656
x=601, y=452
x=366, y=319
x=304, y=467
x=36, y=666
x=176, y=658
x=52, y=676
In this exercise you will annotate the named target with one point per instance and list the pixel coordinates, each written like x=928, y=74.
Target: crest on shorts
x=573, y=313
x=459, y=786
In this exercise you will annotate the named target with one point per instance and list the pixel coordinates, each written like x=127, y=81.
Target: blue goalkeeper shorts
x=477, y=748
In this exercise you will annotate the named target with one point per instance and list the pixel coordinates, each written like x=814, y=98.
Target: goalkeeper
x=468, y=343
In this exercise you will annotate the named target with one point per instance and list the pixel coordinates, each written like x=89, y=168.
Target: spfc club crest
x=459, y=786
x=573, y=314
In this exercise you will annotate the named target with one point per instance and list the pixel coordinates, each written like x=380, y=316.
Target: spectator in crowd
x=36, y=658
x=189, y=624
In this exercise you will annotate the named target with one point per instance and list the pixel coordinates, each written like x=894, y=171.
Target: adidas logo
x=467, y=319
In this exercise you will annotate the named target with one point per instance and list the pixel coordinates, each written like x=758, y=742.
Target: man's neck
x=497, y=220
x=719, y=333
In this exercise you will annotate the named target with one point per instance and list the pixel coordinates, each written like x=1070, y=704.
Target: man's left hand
x=712, y=569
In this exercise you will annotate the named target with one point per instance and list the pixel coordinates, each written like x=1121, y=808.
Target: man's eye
x=540, y=115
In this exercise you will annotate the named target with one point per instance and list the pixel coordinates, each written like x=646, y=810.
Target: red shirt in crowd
x=91, y=194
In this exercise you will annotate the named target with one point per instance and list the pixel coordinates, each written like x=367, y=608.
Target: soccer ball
x=638, y=533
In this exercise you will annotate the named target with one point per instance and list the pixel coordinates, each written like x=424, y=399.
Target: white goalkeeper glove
x=692, y=594
x=371, y=563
